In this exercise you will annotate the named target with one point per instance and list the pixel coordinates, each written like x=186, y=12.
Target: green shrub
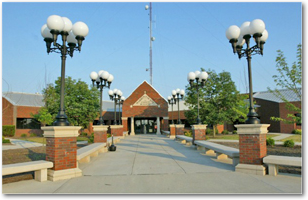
x=234, y=131
x=8, y=130
x=209, y=131
x=270, y=142
x=224, y=132
x=33, y=135
x=288, y=143
x=297, y=131
x=188, y=133
x=84, y=134
x=5, y=140
x=91, y=139
x=23, y=135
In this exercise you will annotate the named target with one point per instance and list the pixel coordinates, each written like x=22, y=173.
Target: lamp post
x=197, y=80
x=115, y=95
x=171, y=101
x=238, y=37
x=121, y=101
x=102, y=79
x=177, y=95
x=72, y=35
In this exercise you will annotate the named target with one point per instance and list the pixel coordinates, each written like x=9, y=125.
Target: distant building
x=142, y=110
x=268, y=105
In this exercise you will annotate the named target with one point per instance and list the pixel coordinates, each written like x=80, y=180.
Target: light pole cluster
x=116, y=96
x=103, y=80
x=197, y=80
x=171, y=101
x=71, y=36
x=238, y=37
x=177, y=95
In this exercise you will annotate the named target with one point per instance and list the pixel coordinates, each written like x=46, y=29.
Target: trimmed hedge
x=8, y=130
x=270, y=142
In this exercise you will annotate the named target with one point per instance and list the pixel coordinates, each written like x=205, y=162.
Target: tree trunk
x=214, y=133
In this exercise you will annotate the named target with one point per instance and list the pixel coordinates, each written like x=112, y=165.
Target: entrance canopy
x=144, y=111
x=145, y=102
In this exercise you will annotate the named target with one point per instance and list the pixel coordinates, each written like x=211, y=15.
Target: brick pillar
x=172, y=131
x=124, y=123
x=179, y=129
x=100, y=133
x=165, y=124
x=61, y=149
x=116, y=130
x=198, y=132
x=252, y=148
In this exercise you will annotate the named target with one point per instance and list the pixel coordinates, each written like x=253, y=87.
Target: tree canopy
x=219, y=101
x=81, y=103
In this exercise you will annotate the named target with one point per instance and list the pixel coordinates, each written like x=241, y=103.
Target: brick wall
x=7, y=112
x=267, y=110
x=100, y=136
x=252, y=148
x=165, y=124
x=117, y=131
x=62, y=151
x=287, y=128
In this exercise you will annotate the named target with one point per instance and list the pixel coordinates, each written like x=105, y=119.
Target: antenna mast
x=151, y=39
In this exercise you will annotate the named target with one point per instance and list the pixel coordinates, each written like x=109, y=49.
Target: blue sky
x=188, y=36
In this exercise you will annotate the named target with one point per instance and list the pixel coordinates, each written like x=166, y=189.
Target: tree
x=43, y=116
x=81, y=103
x=291, y=79
x=219, y=101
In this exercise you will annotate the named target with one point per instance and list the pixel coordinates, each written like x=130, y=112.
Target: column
x=198, y=132
x=252, y=148
x=61, y=149
x=172, y=131
x=100, y=133
x=165, y=123
x=158, y=126
x=125, y=126
x=132, y=128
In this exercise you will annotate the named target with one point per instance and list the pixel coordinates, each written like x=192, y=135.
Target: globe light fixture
x=197, y=80
x=171, y=101
x=178, y=95
x=116, y=96
x=101, y=83
x=55, y=26
x=255, y=29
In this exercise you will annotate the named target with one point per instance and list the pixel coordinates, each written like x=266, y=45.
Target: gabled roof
x=290, y=96
x=150, y=86
x=175, y=107
x=24, y=99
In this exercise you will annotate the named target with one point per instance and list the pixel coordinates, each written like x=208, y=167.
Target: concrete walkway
x=150, y=164
x=18, y=144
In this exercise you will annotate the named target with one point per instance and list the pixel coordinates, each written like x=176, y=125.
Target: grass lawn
x=295, y=138
x=42, y=140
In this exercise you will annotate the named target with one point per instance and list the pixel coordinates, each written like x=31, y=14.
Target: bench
x=39, y=167
x=184, y=139
x=167, y=133
x=85, y=153
x=222, y=152
x=274, y=161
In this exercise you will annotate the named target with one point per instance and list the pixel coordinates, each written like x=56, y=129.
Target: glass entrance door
x=145, y=125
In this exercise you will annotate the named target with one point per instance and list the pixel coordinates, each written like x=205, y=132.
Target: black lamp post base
x=252, y=120
x=112, y=148
x=61, y=119
x=61, y=122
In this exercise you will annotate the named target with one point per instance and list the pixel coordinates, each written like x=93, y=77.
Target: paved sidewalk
x=150, y=164
x=18, y=144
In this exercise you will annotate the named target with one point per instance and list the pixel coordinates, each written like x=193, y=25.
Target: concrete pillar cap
x=61, y=131
x=252, y=128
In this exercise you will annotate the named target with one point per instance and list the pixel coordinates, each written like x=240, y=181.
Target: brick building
x=145, y=110
x=268, y=105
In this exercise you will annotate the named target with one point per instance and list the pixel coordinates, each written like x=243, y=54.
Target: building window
x=28, y=123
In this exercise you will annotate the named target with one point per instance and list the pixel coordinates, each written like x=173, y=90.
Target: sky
x=188, y=36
